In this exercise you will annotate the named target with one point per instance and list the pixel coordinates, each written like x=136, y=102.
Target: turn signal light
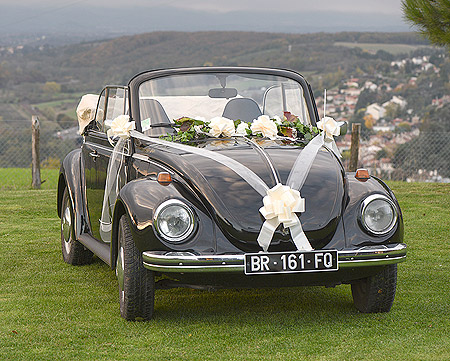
x=362, y=175
x=164, y=178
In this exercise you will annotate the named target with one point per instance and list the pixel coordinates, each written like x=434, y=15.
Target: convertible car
x=217, y=177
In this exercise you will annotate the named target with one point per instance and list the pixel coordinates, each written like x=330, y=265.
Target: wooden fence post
x=354, y=149
x=35, y=165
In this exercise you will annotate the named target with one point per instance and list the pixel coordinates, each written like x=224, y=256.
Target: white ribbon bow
x=121, y=127
x=330, y=129
x=280, y=205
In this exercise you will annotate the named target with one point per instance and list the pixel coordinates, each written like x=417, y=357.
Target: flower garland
x=289, y=127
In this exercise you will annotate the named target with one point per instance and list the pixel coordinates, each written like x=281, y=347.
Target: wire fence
x=411, y=157
x=56, y=140
x=416, y=157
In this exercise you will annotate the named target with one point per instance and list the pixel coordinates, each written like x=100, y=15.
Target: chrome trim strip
x=185, y=262
x=148, y=160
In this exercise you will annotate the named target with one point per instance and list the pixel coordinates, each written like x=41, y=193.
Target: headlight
x=378, y=214
x=174, y=220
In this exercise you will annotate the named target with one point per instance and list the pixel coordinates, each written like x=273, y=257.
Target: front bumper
x=186, y=262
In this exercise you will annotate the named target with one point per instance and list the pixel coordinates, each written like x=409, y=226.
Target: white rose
x=265, y=126
x=121, y=126
x=221, y=125
x=242, y=128
x=329, y=126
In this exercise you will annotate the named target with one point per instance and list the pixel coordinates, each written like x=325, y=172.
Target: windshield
x=207, y=95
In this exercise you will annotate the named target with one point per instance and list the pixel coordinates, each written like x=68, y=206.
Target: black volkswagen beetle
x=225, y=181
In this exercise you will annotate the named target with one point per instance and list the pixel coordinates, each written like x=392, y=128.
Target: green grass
x=53, y=311
x=394, y=49
x=20, y=178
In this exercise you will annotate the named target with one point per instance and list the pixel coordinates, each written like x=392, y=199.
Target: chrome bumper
x=186, y=262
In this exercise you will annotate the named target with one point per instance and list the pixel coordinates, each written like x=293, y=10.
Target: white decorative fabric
x=121, y=128
x=86, y=110
x=330, y=129
x=265, y=126
x=280, y=205
x=329, y=126
x=270, y=225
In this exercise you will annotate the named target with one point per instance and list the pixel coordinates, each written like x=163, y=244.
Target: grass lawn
x=53, y=311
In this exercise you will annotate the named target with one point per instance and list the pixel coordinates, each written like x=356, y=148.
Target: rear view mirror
x=222, y=93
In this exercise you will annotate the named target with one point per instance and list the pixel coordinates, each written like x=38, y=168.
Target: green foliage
x=186, y=131
x=51, y=87
x=431, y=17
x=192, y=129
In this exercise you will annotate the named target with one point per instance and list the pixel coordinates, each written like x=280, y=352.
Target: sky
x=392, y=7
x=106, y=18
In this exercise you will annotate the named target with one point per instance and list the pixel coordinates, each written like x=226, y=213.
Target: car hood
x=235, y=204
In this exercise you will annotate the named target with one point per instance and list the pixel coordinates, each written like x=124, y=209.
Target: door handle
x=94, y=154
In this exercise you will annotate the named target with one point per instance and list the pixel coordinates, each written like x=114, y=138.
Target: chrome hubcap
x=66, y=226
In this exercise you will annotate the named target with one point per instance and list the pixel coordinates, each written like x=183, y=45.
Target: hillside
x=394, y=84
x=28, y=74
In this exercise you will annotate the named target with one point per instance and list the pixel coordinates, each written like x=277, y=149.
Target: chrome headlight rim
x=364, y=206
x=189, y=230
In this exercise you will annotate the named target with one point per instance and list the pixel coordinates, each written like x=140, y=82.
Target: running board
x=102, y=250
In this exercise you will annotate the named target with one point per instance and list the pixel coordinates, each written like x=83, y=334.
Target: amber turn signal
x=164, y=178
x=362, y=175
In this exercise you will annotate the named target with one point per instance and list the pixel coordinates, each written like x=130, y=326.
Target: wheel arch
x=119, y=211
x=358, y=191
x=71, y=177
x=62, y=184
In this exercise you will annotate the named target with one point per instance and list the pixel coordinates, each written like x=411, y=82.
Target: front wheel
x=376, y=293
x=136, y=283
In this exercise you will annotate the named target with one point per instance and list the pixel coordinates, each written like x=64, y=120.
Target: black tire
x=376, y=293
x=136, y=283
x=73, y=252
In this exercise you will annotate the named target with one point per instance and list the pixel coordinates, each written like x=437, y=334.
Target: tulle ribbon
x=280, y=203
x=120, y=128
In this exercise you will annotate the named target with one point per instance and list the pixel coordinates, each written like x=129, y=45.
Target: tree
x=431, y=17
x=369, y=121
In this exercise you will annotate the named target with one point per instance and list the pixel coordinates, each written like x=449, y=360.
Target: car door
x=96, y=152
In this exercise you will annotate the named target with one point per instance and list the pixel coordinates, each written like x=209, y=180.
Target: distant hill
x=118, y=59
x=40, y=74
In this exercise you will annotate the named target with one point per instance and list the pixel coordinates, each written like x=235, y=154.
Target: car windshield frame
x=160, y=76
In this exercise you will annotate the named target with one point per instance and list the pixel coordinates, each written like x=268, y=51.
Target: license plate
x=291, y=262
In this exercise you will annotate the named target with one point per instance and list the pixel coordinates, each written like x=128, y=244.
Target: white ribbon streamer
x=270, y=225
x=120, y=127
x=245, y=173
x=330, y=129
x=281, y=203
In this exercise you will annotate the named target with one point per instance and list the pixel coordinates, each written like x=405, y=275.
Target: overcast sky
x=392, y=7
x=107, y=18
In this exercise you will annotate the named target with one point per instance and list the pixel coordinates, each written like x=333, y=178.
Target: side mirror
x=343, y=128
